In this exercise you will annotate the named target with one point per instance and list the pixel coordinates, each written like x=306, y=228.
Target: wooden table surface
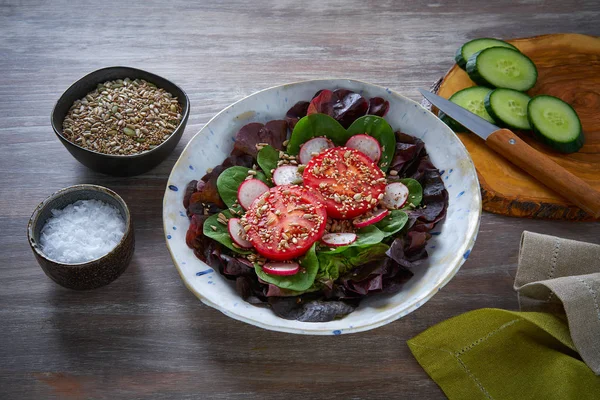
x=146, y=335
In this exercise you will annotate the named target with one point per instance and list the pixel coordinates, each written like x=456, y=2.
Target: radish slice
x=395, y=195
x=338, y=239
x=249, y=190
x=367, y=145
x=286, y=175
x=281, y=268
x=236, y=231
x=370, y=218
x=314, y=145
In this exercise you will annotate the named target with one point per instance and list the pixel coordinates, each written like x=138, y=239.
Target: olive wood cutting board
x=569, y=68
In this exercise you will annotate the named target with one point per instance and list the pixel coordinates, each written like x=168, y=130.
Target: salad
x=314, y=212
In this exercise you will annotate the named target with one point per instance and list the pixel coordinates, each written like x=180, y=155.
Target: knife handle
x=545, y=170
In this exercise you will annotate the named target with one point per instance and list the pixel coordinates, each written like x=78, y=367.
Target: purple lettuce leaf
x=307, y=309
x=273, y=133
x=343, y=105
x=295, y=113
x=378, y=106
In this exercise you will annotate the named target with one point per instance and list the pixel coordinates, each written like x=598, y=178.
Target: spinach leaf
x=220, y=233
x=315, y=125
x=267, y=159
x=381, y=131
x=415, y=191
x=393, y=223
x=366, y=236
x=302, y=281
x=332, y=265
x=230, y=180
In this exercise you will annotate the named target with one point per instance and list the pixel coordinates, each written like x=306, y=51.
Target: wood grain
x=145, y=335
x=545, y=171
x=568, y=66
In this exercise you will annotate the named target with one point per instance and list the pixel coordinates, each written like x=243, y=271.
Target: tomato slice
x=349, y=181
x=285, y=221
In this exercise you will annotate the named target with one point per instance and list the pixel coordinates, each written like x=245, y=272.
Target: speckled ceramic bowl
x=119, y=165
x=92, y=274
x=448, y=249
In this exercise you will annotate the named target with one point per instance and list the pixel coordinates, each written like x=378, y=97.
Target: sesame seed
x=214, y=228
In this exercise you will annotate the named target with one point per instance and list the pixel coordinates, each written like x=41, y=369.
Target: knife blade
x=515, y=150
x=472, y=122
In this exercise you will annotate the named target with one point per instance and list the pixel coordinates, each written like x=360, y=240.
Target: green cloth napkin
x=499, y=354
x=554, y=354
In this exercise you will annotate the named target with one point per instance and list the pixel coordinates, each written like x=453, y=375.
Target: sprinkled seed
x=98, y=116
x=222, y=216
x=380, y=196
x=209, y=170
x=393, y=172
x=214, y=228
x=235, y=245
x=294, y=240
x=285, y=142
x=251, y=172
x=314, y=154
x=247, y=228
x=357, y=196
x=347, y=154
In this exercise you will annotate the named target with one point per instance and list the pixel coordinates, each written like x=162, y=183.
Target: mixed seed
x=123, y=117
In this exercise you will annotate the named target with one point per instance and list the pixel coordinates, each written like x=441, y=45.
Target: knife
x=515, y=150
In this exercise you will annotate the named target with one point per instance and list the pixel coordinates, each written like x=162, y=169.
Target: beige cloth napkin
x=563, y=277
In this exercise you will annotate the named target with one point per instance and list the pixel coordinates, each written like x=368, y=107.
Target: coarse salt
x=82, y=231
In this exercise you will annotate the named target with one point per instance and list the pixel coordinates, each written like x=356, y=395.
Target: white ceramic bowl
x=448, y=249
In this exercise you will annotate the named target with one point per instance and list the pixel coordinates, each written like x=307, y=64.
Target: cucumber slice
x=555, y=123
x=465, y=51
x=509, y=107
x=472, y=99
x=502, y=67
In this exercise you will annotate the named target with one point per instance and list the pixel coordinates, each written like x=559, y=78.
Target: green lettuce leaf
x=381, y=131
x=393, y=223
x=220, y=233
x=267, y=159
x=230, y=180
x=315, y=125
x=333, y=265
x=300, y=282
x=366, y=236
x=415, y=191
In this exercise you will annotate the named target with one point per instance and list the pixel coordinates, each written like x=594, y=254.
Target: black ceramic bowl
x=120, y=165
x=92, y=274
